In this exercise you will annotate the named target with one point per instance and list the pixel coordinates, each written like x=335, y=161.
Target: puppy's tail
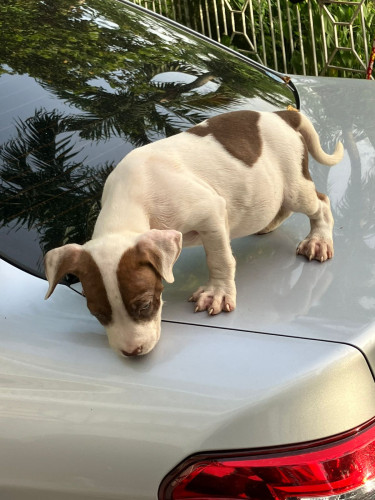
x=311, y=137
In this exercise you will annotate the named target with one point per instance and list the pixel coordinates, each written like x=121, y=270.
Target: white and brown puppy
x=235, y=174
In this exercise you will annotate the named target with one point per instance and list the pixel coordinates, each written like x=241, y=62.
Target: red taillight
x=337, y=468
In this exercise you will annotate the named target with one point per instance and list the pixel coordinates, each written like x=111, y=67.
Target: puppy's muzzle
x=136, y=352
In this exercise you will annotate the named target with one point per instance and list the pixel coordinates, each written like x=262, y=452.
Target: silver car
x=274, y=401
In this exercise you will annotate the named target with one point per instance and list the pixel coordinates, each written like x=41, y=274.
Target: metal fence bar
x=201, y=18
x=208, y=19
x=217, y=25
x=291, y=39
x=172, y=12
x=224, y=18
x=262, y=36
x=280, y=34
x=282, y=44
x=325, y=49
x=252, y=23
x=275, y=65
x=301, y=42
x=363, y=24
x=312, y=33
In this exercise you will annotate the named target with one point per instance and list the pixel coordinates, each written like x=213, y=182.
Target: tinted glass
x=81, y=84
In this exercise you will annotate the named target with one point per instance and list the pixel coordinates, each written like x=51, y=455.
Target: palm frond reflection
x=44, y=186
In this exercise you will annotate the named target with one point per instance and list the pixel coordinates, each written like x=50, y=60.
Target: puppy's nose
x=136, y=351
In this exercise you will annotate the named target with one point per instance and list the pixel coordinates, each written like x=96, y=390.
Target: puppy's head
x=121, y=277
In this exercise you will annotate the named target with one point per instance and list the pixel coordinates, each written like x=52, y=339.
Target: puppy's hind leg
x=318, y=244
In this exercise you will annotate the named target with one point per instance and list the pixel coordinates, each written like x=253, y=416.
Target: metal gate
x=314, y=37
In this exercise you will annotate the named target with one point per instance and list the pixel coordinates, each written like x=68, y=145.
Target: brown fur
x=92, y=283
x=322, y=196
x=81, y=264
x=238, y=134
x=140, y=284
x=292, y=118
x=305, y=161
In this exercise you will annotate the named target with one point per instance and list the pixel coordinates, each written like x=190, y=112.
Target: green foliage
x=285, y=31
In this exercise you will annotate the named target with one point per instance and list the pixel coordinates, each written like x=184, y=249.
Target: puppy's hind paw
x=316, y=248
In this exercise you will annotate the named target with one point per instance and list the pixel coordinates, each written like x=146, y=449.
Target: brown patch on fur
x=322, y=196
x=237, y=132
x=292, y=118
x=305, y=161
x=92, y=283
x=140, y=284
x=81, y=264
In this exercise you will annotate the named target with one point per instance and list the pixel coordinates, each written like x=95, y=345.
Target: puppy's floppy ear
x=161, y=248
x=61, y=261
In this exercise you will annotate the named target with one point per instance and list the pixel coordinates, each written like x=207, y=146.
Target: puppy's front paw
x=214, y=299
x=316, y=248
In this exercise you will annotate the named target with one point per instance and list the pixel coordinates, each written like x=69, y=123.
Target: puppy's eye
x=143, y=308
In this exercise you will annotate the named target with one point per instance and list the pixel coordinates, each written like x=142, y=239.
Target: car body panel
x=331, y=301
x=79, y=419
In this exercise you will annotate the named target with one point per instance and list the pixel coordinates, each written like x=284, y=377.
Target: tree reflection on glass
x=124, y=75
x=42, y=185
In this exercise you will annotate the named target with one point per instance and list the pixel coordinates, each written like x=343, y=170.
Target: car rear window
x=83, y=83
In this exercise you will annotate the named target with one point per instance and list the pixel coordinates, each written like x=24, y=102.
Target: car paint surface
x=281, y=293
x=78, y=421
x=292, y=363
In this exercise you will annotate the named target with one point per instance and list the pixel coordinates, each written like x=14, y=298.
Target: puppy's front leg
x=219, y=294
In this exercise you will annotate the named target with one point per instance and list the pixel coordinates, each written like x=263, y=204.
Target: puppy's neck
x=118, y=218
